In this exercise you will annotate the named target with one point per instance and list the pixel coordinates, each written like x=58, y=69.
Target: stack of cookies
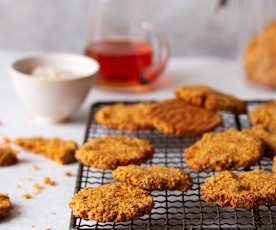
x=192, y=113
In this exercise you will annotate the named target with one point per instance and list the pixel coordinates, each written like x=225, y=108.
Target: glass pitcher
x=131, y=51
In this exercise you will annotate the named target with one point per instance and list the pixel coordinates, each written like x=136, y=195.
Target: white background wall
x=194, y=27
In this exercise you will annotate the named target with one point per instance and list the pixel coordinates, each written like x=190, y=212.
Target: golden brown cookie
x=176, y=117
x=260, y=55
x=244, y=190
x=125, y=117
x=112, y=151
x=5, y=205
x=269, y=138
x=224, y=150
x=208, y=98
x=154, y=177
x=117, y=202
x=54, y=148
x=264, y=115
x=34, y=145
x=7, y=156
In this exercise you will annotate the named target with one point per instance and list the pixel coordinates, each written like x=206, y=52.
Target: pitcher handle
x=161, y=54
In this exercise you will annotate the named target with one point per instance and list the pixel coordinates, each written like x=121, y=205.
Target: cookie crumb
x=37, y=188
x=5, y=205
x=7, y=155
x=67, y=173
x=35, y=167
x=18, y=186
x=6, y=140
x=26, y=196
x=52, y=213
x=48, y=181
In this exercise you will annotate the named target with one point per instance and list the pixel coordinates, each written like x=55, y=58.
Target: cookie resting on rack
x=208, y=98
x=7, y=156
x=117, y=202
x=176, y=117
x=5, y=205
x=268, y=137
x=264, y=115
x=224, y=150
x=112, y=151
x=154, y=177
x=244, y=190
x=62, y=151
x=125, y=116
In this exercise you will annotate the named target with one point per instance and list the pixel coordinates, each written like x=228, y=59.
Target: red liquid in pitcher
x=121, y=61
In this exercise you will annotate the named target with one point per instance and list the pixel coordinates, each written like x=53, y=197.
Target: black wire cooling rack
x=175, y=209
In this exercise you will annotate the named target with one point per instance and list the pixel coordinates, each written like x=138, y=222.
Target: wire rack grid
x=174, y=209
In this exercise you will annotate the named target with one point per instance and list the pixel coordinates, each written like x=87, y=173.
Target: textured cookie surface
x=209, y=98
x=154, y=177
x=56, y=149
x=260, y=55
x=112, y=151
x=264, y=115
x=269, y=138
x=224, y=150
x=175, y=117
x=243, y=190
x=125, y=117
x=117, y=202
x=7, y=156
x=5, y=205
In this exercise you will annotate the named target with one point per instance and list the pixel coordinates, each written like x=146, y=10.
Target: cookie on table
x=264, y=115
x=154, y=177
x=269, y=138
x=125, y=116
x=7, y=156
x=224, y=150
x=112, y=151
x=206, y=97
x=244, y=190
x=34, y=144
x=5, y=205
x=62, y=151
x=259, y=57
x=117, y=202
x=175, y=117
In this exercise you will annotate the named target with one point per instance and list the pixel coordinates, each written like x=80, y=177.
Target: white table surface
x=221, y=74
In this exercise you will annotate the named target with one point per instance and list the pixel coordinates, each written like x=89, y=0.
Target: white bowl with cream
x=53, y=85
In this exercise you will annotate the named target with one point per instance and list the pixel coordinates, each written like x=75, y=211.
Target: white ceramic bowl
x=53, y=100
